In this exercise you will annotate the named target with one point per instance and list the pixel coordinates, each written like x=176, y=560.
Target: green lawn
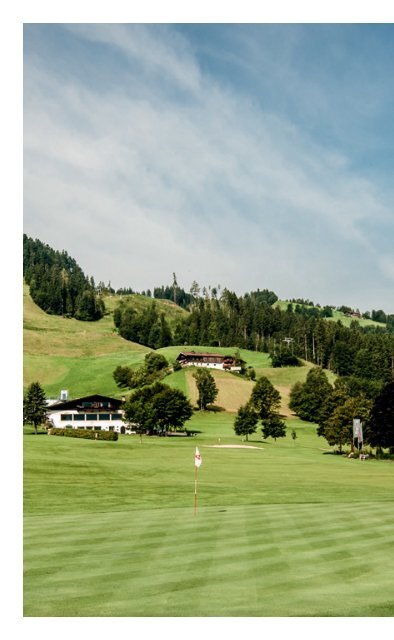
x=286, y=529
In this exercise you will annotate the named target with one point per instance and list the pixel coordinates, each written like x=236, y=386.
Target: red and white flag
x=197, y=458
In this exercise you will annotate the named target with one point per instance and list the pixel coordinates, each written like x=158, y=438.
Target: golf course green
x=281, y=529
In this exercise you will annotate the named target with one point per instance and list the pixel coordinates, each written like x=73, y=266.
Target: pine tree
x=381, y=426
x=34, y=406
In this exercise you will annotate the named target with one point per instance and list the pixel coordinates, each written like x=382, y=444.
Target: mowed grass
x=284, y=529
x=64, y=353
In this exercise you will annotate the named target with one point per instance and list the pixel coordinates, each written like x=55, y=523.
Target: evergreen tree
x=380, y=432
x=34, y=406
x=57, y=284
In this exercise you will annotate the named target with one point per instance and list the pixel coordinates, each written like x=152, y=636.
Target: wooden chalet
x=209, y=360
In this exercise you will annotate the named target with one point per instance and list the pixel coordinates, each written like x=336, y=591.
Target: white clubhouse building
x=95, y=412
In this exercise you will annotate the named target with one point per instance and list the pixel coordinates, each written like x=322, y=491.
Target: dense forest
x=251, y=322
x=57, y=284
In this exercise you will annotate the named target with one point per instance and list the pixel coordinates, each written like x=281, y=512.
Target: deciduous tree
x=308, y=398
x=273, y=426
x=206, y=386
x=157, y=408
x=246, y=420
x=265, y=399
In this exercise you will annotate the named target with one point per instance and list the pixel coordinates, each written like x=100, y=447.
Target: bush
x=82, y=433
x=285, y=360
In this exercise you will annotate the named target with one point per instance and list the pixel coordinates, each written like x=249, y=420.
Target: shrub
x=285, y=360
x=82, y=433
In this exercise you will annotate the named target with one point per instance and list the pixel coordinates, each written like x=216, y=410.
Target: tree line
x=250, y=322
x=216, y=318
x=57, y=284
x=334, y=407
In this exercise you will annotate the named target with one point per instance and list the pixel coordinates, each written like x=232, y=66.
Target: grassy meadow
x=281, y=529
x=337, y=315
x=64, y=353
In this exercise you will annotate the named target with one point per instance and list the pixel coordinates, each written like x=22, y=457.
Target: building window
x=69, y=426
x=103, y=416
x=97, y=428
x=116, y=416
x=111, y=428
x=65, y=416
x=91, y=416
x=79, y=416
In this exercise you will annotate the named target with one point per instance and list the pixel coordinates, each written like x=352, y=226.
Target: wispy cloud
x=172, y=170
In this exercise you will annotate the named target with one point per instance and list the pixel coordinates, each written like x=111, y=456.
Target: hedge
x=82, y=433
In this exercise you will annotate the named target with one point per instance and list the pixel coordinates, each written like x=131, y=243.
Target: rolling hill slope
x=337, y=315
x=63, y=353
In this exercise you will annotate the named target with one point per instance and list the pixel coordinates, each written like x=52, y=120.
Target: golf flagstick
x=197, y=464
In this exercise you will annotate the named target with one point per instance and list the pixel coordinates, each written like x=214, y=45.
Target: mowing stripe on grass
x=250, y=560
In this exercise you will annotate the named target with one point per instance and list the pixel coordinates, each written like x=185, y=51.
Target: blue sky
x=245, y=155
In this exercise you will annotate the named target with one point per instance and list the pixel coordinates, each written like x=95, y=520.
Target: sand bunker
x=231, y=446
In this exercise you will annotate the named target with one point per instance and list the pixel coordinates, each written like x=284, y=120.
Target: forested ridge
x=57, y=284
x=250, y=322
x=215, y=317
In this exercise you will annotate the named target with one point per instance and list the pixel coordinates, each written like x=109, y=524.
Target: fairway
x=284, y=529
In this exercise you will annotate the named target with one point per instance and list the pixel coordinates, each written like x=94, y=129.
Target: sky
x=241, y=155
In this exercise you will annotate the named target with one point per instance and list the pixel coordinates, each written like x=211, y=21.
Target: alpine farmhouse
x=209, y=360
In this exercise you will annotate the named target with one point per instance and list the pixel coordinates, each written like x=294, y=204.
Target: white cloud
x=136, y=185
x=160, y=50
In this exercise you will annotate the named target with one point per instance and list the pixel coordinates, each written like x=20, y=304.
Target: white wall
x=55, y=419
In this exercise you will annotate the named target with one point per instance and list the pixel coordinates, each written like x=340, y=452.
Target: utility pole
x=175, y=286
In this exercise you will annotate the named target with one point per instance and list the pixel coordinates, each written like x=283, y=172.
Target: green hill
x=337, y=315
x=64, y=353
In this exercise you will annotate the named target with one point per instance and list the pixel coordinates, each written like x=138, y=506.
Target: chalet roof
x=199, y=354
x=96, y=397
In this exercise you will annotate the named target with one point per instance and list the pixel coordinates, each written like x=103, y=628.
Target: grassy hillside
x=64, y=353
x=284, y=529
x=80, y=356
x=337, y=315
x=233, y=389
